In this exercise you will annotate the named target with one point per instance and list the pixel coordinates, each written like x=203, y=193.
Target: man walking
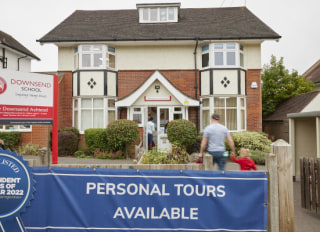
x=214, y=137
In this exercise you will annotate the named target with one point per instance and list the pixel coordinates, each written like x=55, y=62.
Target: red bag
x=199, y=161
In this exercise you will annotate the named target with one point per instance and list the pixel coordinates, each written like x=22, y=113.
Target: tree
x=279, y=85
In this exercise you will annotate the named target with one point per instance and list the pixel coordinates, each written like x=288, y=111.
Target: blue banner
x=73, y=199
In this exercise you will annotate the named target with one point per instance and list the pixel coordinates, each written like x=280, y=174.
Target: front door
x=164, y=115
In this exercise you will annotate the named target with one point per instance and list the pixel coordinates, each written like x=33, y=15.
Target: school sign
x=85, y=199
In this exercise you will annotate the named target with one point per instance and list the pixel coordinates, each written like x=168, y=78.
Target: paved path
x=304, y=220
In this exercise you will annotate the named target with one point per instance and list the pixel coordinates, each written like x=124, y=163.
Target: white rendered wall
x=12, y=61
x=314, y=105
x=252, y=56
x=65, y=58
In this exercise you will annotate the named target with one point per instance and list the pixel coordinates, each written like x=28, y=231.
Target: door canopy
x=174, y=93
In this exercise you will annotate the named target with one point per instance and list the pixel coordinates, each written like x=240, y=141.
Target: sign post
x=30, y=99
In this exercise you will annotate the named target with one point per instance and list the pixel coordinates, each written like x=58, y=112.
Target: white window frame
x=19, y=129
x=238, y=50
x=148, y=10
x=77, y=110
x=212, y=108
x=141, y=113
x=105, y=53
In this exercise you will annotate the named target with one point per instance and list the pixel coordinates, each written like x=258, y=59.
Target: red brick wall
x=254, y=104
x=40, y=135
x=65, y=100
x=130, y=80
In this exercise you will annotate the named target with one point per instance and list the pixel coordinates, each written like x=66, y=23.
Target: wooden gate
x=310, y=185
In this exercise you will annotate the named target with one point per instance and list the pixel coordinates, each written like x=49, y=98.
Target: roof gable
x=132, y=98
x=295, y=104
x=313, y=73
x=10, y=42
x=194, y=23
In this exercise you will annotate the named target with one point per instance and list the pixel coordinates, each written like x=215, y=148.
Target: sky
x=295, y=20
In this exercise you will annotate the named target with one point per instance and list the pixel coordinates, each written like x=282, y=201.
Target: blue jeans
x=217, y=157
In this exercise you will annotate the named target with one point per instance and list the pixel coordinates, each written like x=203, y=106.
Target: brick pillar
x=65, y=100
x=254, y=103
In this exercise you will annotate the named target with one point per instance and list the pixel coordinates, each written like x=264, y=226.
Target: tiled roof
x=123, y=25
x=10, y=42
x=294, y=104
x=313, y=73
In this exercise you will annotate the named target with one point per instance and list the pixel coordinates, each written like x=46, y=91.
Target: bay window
x=93, y=112
x=94, y=57
x=232, y=111
x=222, y=55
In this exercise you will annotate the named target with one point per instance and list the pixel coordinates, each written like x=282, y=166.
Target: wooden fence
x=310, y=184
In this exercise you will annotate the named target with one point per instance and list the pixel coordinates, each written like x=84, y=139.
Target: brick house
x=160, y=60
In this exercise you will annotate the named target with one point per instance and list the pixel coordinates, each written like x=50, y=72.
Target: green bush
x=68, y=143
x=11, y=139
x=258, y=157
x=82, y=154
x=254, y=141
x=96, y=138
x=73, y=129
x=108, y=155
x=29, y=149
x=182, y=132
x=195, y=148
x=121, y=133
x=178, y=155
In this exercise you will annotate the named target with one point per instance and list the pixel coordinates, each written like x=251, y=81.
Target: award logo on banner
x=16, y=189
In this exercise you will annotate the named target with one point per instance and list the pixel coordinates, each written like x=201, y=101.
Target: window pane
x=231, y=102
x=145, y=14
x=137, y=118
x=177, y=116
x=163, y=14
x=97, y=48
x=177, y=109
x=205, y=60
x=205, y=48
x=111, y=103
x=111, y=115
x=218, y=46
x=86, y=60
x=111, y=49
x=86, y=48
x=232, y=119
x=231, y=58
x=242, y=119
x=153, y=14
x=242, y=102
x=218, y=58
x=76, y=104
x=97, y=60
x=24, y=127
x=86, y=119
x=98, y=119
x=112, y=61
x=171, y=13
x=137, y=109
x=86, y=103
x=219, y=102
x=98, y=103
x=221, y=113
x=205, y=102
x=231, y=46
x=205, y=118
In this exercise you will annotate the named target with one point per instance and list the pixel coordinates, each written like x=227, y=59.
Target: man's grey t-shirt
x=216, y=134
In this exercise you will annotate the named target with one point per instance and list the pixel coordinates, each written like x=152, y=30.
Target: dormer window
x=158, y=13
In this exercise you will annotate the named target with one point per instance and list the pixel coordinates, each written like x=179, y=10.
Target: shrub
x=182, y=132
x=73, y=129
x=195, y=148
x=120, y=133
x=253, y=140
x=68, y=143
x=178, y=155
x=259, y=157
x=96, y=138
x=82, y=154
x=29, y=149
x=108, y=155
x=11, y=139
